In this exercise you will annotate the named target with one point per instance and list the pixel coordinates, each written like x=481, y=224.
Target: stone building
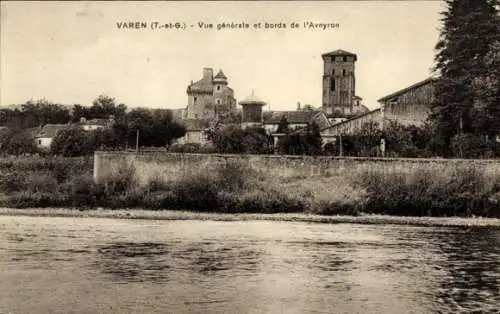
x=210, y=97
x=251, y=115
x=339, y=85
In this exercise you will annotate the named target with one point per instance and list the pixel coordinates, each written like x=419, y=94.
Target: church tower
x=339, y=83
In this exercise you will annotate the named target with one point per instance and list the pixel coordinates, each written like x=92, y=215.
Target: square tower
x=339, y=83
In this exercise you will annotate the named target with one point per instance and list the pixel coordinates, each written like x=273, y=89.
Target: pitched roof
x=204, y=85
x=406, y=89
x=32, y=132
x=293, y=117
x=220, y=75
x=375, y=111
x=50, y=130
x=195, y=124
x=340, y=52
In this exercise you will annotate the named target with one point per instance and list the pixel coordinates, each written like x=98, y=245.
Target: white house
x=44, y=137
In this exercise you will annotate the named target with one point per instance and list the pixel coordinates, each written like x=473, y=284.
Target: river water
x=91, y=265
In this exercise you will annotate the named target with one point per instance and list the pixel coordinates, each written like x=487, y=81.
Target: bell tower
x=339, y=83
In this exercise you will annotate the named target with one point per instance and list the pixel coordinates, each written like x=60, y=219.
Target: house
x=45, y=135
x=295, y=119
x=94, y=124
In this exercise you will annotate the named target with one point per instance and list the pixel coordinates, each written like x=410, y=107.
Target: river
x=96, y=265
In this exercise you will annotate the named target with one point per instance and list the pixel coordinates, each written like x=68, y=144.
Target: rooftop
x=252, y=99
x=50, y=130
x=220, y=75
x=340, y=52
x=293, y=117
x=406, y=89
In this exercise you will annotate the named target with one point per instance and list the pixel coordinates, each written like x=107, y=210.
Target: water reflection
x=251, y=267
x=154, y=262
x=470, y=281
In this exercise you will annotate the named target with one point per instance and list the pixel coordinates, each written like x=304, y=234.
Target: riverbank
x=438, y=189
x=284, y=217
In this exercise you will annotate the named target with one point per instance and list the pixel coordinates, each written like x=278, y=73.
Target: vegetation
x=235, y=140
x=156, y=127
x=442, y=189
x=467, y=94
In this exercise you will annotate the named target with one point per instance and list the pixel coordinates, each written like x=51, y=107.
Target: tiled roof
x=195, y=124
x=220, y=75
x=293, y=117
x=50, y=130
x=404, y=90
x=202, y=86
x=32, y=132
x=252, y=99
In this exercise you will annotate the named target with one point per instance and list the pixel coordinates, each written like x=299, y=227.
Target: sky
x=71, y=52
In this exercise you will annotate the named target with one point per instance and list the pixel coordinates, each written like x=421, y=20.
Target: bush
x=472, y=146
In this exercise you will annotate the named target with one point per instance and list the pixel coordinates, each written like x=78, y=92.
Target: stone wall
x=149, y=165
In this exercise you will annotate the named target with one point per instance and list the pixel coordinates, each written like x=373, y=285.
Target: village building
x=410, y=105
x=46, y=134
x=251, y=111
x=209, y=98
x=339, y=85
x=94, y=124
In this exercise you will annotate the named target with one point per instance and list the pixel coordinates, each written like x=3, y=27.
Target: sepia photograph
x=250, y=157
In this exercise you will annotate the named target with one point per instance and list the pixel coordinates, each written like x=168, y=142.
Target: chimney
x=208, y=73
x=298, y=105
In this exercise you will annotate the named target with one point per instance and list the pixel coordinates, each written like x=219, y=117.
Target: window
x=343, y=72
x=345, y=58
x=218, y=101
x=218, y=87
x=39, y=142
x=333, y=72
x=195, y=99
x=332, y=85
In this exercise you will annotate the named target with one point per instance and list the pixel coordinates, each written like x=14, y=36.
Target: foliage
x=302, y=142
x=15, y=142
x=235, y=140
x=33, y=114
x=156, y=128
x=70, y=142
x=466, y=51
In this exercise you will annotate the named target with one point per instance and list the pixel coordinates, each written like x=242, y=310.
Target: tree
x=235, y=140
x=70, y=142
x=470, y=27
x=15, y=142
x=302, y=142
x=103, y=107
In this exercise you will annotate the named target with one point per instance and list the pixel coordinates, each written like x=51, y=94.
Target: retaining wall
x=171, y=165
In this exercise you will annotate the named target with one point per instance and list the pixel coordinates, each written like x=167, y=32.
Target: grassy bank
x=439, y=190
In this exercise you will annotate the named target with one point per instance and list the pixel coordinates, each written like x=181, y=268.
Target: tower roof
x=220, y=75
x=252, y=99
x=340, y=52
